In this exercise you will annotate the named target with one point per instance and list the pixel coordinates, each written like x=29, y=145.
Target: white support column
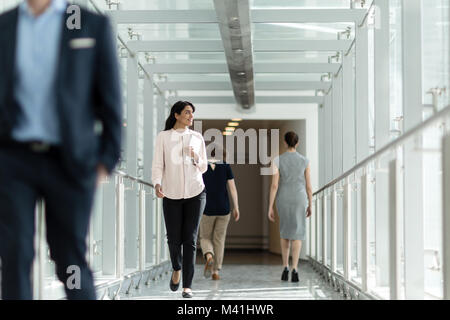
x=322, y=155
x=328, y=138
x=337, y=117
x=311, y=226
x=394, y=241
x=316, y=253
x=382, y=103
x=120, y=228
x=313, y=233
x=349, y=113
x=39, y=244
x=142, y=224
x=149, y=128
x=160, y=105
x=364, y=233
x=413, y=160
x=347, y=231
x=446, y=215
x=158, y=230
x=109, y=220
x=382, y=136
x=333, y=231
x=324, y=229
x=132, y=115
x=362, y=93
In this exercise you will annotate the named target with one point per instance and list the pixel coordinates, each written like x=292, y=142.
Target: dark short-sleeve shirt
x=217, y=201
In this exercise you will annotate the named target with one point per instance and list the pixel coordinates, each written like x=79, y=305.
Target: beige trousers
x=213, y=230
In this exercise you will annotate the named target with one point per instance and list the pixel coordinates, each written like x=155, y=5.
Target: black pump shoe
x=174, y=286
x=294, y=277
x=187, y=294
x=285, y=274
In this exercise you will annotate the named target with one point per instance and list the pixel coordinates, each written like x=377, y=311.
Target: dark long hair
x=291, y=139
x=176, y=108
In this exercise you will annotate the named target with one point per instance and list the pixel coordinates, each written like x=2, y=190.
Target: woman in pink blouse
x=178, y=164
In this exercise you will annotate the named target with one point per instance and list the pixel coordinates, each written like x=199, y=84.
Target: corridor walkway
x=247, y=276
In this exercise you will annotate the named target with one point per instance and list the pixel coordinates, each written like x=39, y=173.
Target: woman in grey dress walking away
x=291, y=178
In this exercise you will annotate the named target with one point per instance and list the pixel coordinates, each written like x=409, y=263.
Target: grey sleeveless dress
x=292, y=199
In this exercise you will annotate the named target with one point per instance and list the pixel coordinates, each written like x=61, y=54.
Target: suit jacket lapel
x=66, y=35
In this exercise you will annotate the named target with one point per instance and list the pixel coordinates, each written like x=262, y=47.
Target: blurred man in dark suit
x=60, y=131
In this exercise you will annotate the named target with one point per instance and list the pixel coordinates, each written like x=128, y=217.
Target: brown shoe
x=215, y=276
x=208, y=267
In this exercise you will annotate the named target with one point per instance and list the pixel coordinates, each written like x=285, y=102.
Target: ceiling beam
x=259, y=100
x=259, y=85
x=218, y=45
x=183, y=68
x=307, y=15
x=257, y=16
x=235, y=30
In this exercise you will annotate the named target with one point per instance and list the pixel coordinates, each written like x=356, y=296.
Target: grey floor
x=249, y=275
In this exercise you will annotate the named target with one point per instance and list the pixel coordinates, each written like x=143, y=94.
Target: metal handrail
x=126, y=175
x=442, y=113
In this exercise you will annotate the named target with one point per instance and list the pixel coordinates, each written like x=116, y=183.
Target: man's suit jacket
x=87, y=89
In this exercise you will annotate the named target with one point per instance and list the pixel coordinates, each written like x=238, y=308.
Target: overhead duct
x=233, y=17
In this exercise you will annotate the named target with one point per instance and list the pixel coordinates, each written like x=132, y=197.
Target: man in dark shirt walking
x=215, y=219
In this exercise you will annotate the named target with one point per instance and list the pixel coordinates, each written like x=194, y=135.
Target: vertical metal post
x=158, y=230
x=109, y=240
x=149, y=140
x=337, y=129
x=324, y=229
x=349, y=113
x=322, y=155
x=90, y=243
x=142, y=223
x=39, y=244
x=317, y=229
x=132, y=115
x=310, y=226
x=149, y=128
x=413, y=160
x=329, y=136
x=347, y=231
x=362, y=92
x=333, y=230
x=120, y=228
x=394, y=250
x=382, y=136
x=446, y=215
x=313, y=230
x=163, y=254
x=382, y=103
x=364, y=233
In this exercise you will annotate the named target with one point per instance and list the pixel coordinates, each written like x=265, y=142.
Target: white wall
x=307, y=112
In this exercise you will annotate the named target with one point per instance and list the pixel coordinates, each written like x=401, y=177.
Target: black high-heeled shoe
x=174, y=286
x=285, y=274
x=294, y=277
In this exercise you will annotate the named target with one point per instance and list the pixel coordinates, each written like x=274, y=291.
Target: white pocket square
x=82, y=43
